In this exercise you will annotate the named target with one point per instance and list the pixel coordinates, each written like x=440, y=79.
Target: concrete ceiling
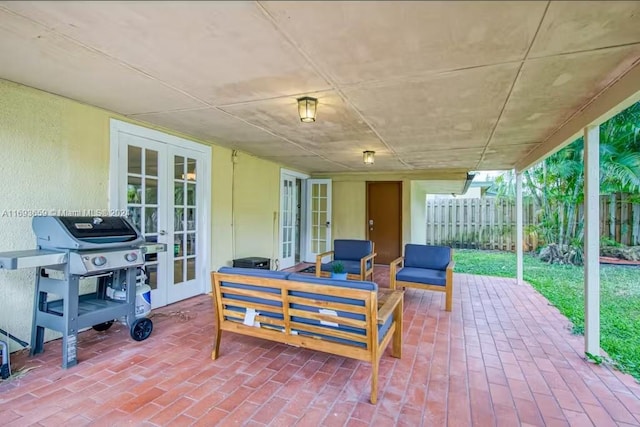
x=451, y=86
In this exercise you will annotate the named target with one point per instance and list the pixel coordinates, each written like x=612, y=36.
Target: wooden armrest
x=324, y=254
x=397, y=261
x=387, y=309
x=319, y=262
x=393, y=268
x=451, y=264
x=368, y=257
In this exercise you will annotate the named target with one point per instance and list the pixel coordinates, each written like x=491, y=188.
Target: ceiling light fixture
x=307, y=109
x=368, y=157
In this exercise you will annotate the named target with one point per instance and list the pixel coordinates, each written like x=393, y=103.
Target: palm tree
x=620, y=152
x=556, y=184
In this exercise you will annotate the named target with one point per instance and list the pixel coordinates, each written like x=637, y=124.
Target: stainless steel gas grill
x=109, y=249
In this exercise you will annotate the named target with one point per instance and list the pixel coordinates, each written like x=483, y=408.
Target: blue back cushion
x=255, y=272
x=351, y=250
x=425, y=256
x=369, y=286
x=353, y=284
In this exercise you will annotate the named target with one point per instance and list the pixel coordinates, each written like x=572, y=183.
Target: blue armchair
x=424, y=267
x=356, y=256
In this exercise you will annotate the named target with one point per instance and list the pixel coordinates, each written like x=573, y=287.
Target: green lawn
x=563, y=286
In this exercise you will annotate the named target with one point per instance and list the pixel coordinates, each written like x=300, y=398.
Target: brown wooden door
x=384, y=219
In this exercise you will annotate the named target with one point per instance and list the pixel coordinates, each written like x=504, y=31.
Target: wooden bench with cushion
x=340, y=317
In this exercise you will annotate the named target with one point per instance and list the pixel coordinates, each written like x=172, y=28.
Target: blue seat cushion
x=426, y=256
x=351, y=250
x=426, y=276
x=351, y=267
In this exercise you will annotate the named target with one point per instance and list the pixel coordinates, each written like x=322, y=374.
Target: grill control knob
x=99, y=261
x=131, y=256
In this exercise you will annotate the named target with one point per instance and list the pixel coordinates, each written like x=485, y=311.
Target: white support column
x=592, y=240
x=519, y=231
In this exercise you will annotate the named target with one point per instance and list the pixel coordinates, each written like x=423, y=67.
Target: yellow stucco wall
x=256, y=198
x=221, y=239
x=349, y=209
x=43, y=140
x=55, y=155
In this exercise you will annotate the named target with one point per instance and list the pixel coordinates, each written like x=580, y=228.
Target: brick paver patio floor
x=504, y=356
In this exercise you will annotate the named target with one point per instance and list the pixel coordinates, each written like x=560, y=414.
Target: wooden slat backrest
x=263, y=288
x=300, y=312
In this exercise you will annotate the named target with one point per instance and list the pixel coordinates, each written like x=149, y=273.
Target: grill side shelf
x=31, y=259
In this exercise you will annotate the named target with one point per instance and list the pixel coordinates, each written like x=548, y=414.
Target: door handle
x=162, y=233
x=328, y=224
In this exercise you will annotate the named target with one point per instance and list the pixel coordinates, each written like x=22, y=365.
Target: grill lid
x=85, y=232
x=85, y=227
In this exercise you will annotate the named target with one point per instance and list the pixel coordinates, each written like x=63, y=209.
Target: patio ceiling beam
x=592, y=240
x=621, y=94
x=425, y=175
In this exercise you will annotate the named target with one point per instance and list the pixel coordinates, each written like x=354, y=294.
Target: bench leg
x=449, y=297
x=396, y=349
x=374, y=380
x=216, y=345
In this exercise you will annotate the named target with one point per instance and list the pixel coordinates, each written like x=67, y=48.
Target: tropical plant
x=556, y=184
x=337, y=267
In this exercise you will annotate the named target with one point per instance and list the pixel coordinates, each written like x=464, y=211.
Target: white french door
x=318, y=217
x=145, y=192
x=288, y=220
x=184, y=224
x=164, y=189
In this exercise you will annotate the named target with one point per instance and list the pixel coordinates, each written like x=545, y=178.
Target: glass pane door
x=142, y=201
x=185, y=213
x=319, y=223
x=288, y=214
x=184, y=216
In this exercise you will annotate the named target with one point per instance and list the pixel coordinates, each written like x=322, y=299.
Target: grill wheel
x=141, y=329
x=100, y=327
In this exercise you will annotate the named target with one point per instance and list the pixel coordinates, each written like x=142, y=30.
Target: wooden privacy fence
x=620, y=219
x=491, y=223
x=473, y=223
